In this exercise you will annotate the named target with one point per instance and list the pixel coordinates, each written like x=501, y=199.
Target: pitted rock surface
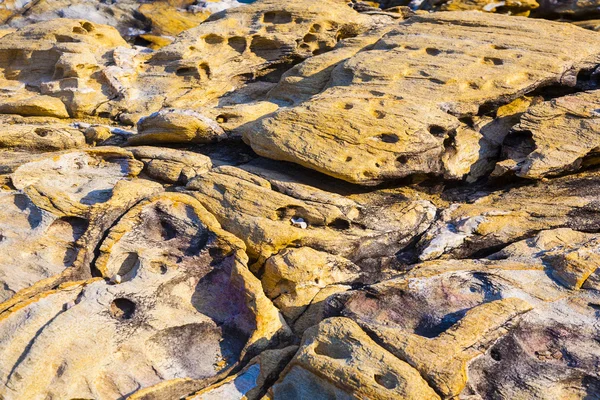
x=269, y=200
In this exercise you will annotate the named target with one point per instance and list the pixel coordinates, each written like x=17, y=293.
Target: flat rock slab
x=393, y=108
x=339, y=360
x=71, y=183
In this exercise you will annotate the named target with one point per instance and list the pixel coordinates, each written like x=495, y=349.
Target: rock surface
x=406, y=100
x=340, y=199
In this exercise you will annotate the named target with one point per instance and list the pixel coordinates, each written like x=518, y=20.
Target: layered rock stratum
x=314, y=199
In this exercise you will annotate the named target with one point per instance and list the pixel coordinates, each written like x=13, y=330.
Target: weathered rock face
x=40, y=138
x=55, y=68
x=578, y=9
x=167, y=257
x=40, y=243
x=564, y=131
x=463, y=321
x=188, y=209
x=80, y=68
x=495, y=219
x=272, y=210
x=156, y=22
x=338, y=360
x=393, y=108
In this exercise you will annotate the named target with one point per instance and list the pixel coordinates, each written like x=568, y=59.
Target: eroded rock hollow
x=313, y=199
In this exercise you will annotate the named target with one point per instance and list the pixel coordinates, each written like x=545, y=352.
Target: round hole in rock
x=348, y=159
x=402, y=159
x=389, y=138
x=495, y=354
x=339, y=223
x=380, y=115
x=42, y=132
x=309, y=37
x=221, y=119
x=437, y=130
x=348, y=106
x=213, y=39
x=387, y=380
x=432, y=52
x=493, y=61
x=336, y=350
x=168, y=230
x=277, y=17
x=88, y=26
x=237, y=43
x=122, y=309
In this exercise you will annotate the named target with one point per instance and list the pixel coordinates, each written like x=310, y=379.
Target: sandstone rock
x=108, y=78
x=474, y=310
x=295, y=277
x=171, y=165
x=118, y=14
x=251, y=382
x=184, y=264
x=593, y=24
x=177, y=126
x=518, y=7
x=260, y=40
x=257, y=203
x=553, y=349
x=45, y=268
x=195, y=269
x=576, y=9
x=34, y=243
x=404, y=99
x=338, y=360
x=563, y=131
x=71, y=183
x=452, y=349
x=97, y=134
x=169, y=21
x=42, y=106
x=61, y=60
x=480, y=222
x=39, y=138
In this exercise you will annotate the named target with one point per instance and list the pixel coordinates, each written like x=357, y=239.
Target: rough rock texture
x=564, y=131
x=261, y=204
x=472, y=317
x=338, y=360
x=172, y=259
x=406, y=93
x=494, y=219
x=328, y=199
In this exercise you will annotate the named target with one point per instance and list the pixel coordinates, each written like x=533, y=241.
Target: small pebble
x=299, y=223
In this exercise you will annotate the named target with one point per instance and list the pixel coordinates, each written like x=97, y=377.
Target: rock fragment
x=170, y=165
x=177, y=126
x=71, y=183
x=40, y=138
x=563, y=132
x=256, y=203
x=483, y=222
